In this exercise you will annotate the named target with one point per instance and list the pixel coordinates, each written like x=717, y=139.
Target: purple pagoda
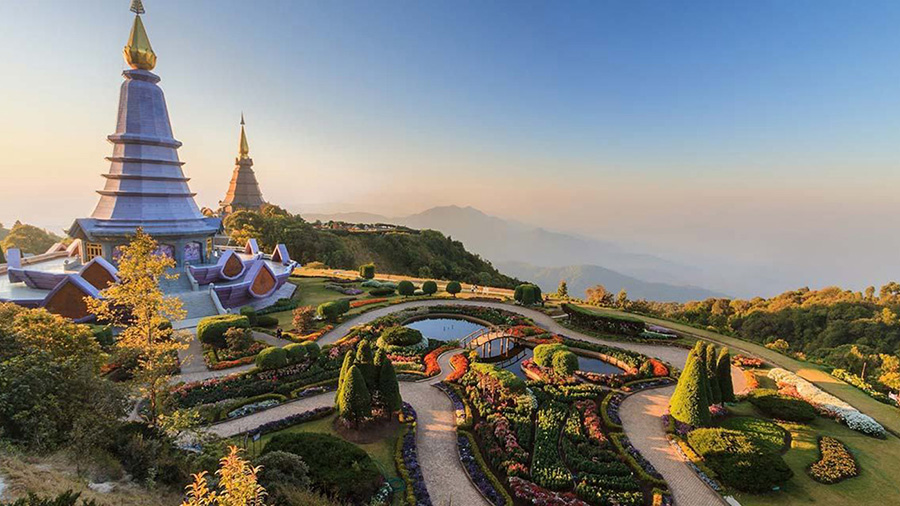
x=145, y=186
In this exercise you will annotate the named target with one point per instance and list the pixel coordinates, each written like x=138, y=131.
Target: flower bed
x=407, y=460
x=462, y=410
x=343, y=289
x=228, y=364
x=476, y=468
x=460, y=365
x=289, y=421
x=548, y=469
x=256, y=407
x=431, y=360
x=751, y=379
x=539, y=496
x=609, y=410
x=313, y=336
x=636, y=461
x=366, y=302
x=835, y=463
x=828, y=404
x=745, y=361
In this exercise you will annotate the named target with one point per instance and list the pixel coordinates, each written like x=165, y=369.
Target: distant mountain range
x=545, y=256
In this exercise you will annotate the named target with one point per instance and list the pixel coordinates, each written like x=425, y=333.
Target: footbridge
x=495, y=344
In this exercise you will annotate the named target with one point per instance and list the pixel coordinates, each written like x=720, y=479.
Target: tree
x=365, y=361
x=562, y=291
x=690, y=402
x=597, y=295
x=712, y=375
x=304, y=318
x=406, y=288
x=2, y=257
x=425, y=272
x=367, y=271
x=137, y=305
x=723, y=375
x=349, y=358
x=239, y=339
x=622, y=299
x=238, y=485
x=429, y=287
x=354, y=404
x=29, y=239
x=389, y=387
x=779, y=345
x=454, y=288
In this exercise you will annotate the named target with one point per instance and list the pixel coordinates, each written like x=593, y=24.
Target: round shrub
x=331, y=311
x=565, y=363
x=367, y=271
x=429, y=287
x=454, y=288
x=528, y=294
x=381, y=292
x=282, y=469
x=295, y=352
x=272, y=358
x=250, y=313
x=543, y=353
x=343, y=305
x=312, y=349
x=336, y=467
x=266, y=321
x=406, y=288
x=211, y=330
x=401, y=336
x=782, y=407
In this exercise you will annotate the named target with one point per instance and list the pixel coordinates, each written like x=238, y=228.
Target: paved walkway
x=436, y=435
x=193, y=367
x=640, y=414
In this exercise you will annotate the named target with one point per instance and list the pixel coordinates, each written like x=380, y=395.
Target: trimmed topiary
x=406, y=288
x=565, y=363
x=543, y=353
x=690, y=402
x=272, y=358
x=211, y=330
x=401, y=336
x=367, y=271
x=383, y=291
x=429, y=287
x=388, y=387
x=723, y=375
x=355, y=402
x=295, y=352
x=715, y=394
x=349, y=358
x=312, y=349
x=250, y=313
x=454, y=288
x=528, y=294
x=738, y=461
x=331, y=311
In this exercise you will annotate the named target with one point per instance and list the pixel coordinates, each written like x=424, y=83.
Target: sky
x=748, y=136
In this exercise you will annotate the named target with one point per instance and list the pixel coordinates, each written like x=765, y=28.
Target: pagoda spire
x=244, y=148
x=138, y=52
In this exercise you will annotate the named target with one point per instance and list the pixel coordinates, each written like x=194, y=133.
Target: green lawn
x=382, y=451
x=879, y=462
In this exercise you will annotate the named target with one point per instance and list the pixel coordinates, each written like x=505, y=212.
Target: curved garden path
x=435, y=435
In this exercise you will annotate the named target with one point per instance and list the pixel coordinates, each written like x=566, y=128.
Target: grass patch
x=764, y=433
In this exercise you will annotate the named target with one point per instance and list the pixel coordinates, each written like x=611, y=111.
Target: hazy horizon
x=735, y=136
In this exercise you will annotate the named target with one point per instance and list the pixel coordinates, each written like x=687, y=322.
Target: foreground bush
x=835, y=463
x=336, y=467
x=739, y=462
x=211, y=330
x=782, y=407
x=68, y=498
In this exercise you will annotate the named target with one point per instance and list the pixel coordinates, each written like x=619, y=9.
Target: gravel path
x=436, y=435
x=640, y=414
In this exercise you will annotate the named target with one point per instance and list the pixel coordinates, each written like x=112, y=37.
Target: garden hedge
x=272, y=358
x=381, y=291
x=331, y=311
x=367, y=271
x=610, y=324
x=782, y=407
x=336, y=467
x=211, y=330
x=250, y=313
x=543, y=353
x=266, y=321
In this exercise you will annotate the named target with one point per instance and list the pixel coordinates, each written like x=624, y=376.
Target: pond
x=445, y=329
x=522, y=353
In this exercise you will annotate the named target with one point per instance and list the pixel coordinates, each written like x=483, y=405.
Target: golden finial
x=138, y=52
x=244, y=149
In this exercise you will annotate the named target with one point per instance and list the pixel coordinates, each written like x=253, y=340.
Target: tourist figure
x=278, y=333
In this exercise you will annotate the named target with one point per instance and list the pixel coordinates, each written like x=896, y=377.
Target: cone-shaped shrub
x=389, y=387
x=379, y=357
x=366, y=363
x=715, y=392
x=690, y=402
x=723, y=375
x=345, y=369
x=355, y=401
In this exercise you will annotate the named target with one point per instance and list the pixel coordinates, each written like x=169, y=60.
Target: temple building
x=243, y=191
x=145, y=186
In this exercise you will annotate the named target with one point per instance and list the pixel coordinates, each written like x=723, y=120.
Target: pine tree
x=563, y=290
x=723, y=376
x=389, y=387
x=379, y=357
x=345, y=369
x=712, y=375
x=366, y=363
x=690, y=402
x=355, y=402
